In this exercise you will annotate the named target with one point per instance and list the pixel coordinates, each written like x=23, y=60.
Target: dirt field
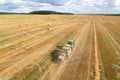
x=26, y=43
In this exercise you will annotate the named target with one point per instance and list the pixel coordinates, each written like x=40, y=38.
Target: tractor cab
x=71, y=42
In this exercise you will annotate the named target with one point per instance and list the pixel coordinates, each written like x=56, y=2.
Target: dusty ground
x=25, y=40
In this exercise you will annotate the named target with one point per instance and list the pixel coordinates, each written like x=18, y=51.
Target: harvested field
x=27, y=41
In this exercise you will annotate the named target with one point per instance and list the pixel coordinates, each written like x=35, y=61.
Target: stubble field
x=27, y=41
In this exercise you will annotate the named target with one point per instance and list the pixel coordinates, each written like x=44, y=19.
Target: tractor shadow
x=55, y=53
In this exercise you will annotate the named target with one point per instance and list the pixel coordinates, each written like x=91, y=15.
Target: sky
x=71, y=6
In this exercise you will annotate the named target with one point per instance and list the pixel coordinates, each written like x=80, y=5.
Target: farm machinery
x=65, y=53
